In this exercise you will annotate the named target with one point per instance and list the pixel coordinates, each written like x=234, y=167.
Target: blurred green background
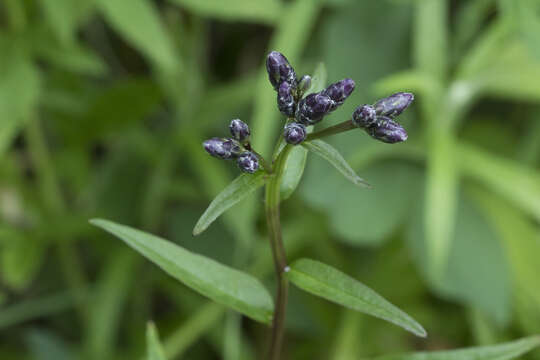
x=103, y=108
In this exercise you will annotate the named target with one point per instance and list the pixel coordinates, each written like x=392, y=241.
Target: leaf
x=365, y=218
x=318, y=79
x=110, y=296
x=431, y=35
x=237, y=190
x=139, y=23
x=477, y=270
x=74, y=58
x=505, y=351
x=62, y=16
x=519, y=184
x=153, y=345
x=20, y=86
x=224, y=285
x=293, y=171
x=330, y=154
x=441, y=202
x=260, y=11
x=329, y=283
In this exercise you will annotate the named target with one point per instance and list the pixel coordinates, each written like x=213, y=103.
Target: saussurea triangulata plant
x=304, y=104
x=303, y=109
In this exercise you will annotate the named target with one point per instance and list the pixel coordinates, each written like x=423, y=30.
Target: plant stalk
x=278, y=252
x=332, y=130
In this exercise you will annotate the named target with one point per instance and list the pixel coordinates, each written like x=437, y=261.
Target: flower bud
x=285, y=99
x=340, y=91
x=222, y=148
x=387, y=130
x=312, y=108
x=304, y=84
x=393, y=105
x=364, y=116
x=248, y=162
x=239, y=130
x=279, y=70
x=294, y=133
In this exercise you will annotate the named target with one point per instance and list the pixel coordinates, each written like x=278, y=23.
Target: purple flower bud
x=248, y=162
x=313, y=107
x=285, y=99
x=364, y=116
x=340, y=91
x=294, y=133
x=222, y=148
x=304, y=84
x=239, y=130
x=388, y=131
x=279, y=70
x=393, y=105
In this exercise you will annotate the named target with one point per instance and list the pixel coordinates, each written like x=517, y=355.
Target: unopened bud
x=279, y=70
x=248, y=162
x=294, y=133
x=364, y=116
x=393, y=105
x=285, y=99
x=239, y=130
x=313, y=107
x=388, y=131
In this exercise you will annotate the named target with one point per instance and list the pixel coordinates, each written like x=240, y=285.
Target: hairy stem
x=278, y=252
x=332, y=130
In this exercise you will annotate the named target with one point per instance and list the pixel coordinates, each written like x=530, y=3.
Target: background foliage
x=103, y=107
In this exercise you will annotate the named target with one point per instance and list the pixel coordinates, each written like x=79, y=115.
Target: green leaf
x=318, y=79
x=519, y=184
x=365, y=218
x=237, y=190
x=153, y=345
x=506, y=351
x=431, y=35
x=20, y=85
x=63, y=16
x=260, y=11
x=329, y=283
x=477, y=270
x=330, y=154
x=441, y=201
x=139, y=23
x=293, y=171
x=224, y=285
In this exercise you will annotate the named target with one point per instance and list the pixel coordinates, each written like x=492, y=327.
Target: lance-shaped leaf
x=329, y=283
x=224, y=285
x=505, y=351
x=329, y=153
x=237, y=190
x=154, y=350
x=294, y=169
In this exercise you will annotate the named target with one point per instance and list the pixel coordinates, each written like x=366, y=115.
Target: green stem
x=278, y=252
x=332, y=130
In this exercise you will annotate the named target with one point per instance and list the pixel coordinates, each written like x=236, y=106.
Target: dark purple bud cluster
x=378, y=119
x=294, y=133
x=236, y=147
x=315, y=106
